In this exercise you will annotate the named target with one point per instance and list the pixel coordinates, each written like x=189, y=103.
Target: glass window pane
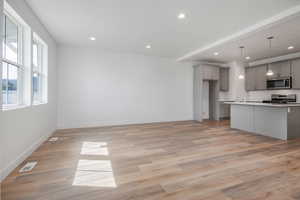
x=35, y=54
x=11, y=40
x=4, y=83
x=3, y=40
x=37, y=78
x=12, y=85
x=36, y=86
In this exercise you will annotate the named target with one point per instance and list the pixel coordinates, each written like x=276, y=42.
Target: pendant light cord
x=269, y=71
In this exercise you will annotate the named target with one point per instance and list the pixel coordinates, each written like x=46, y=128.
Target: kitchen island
x=280, y=121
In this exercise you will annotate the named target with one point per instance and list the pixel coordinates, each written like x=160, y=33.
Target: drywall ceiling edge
x=265, y=24
x=275, y=59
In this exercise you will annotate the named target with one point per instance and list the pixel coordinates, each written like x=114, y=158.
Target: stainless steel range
x=282, y=98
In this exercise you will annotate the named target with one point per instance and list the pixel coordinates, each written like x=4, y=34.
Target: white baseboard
x=76, y=125
x=14, y=164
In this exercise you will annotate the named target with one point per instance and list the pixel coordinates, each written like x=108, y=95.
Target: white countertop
x=264, y=104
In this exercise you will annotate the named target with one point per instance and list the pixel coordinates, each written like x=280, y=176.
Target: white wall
x=99, y=88
x=24, y=129
x=1, y=120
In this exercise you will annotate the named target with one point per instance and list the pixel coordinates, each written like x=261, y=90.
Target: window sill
x=13, y=107
x=39, y=103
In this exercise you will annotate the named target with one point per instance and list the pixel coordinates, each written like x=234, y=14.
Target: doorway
x=210, y=100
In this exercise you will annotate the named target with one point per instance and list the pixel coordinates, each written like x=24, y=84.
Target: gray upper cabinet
x=224, y=79
x=210, y=72
x=280, y=69
x=296, y=73
x=260, y=77
x=250, y=78
x=256, y=78
x=215, y=73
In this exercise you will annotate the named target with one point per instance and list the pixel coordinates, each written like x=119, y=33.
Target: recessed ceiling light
x=290, y=47
x=148, y=46
x=216, y=53
x=92, y=38
x=248, y=58
x=181, y=16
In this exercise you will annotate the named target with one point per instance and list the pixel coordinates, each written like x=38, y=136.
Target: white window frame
x=26, y=38
x=19, y=64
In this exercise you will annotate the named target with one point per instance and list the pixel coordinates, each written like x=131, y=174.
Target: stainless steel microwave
x=279, y=83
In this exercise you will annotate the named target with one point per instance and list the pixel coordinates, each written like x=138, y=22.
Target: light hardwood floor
x=168, y=161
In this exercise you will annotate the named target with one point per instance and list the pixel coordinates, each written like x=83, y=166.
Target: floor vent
x=28, y=167
x=53, y=139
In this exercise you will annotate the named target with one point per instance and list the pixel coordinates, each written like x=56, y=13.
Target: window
x=12, y=65
x=24, y=63
x=10, y=84
x=39, y=71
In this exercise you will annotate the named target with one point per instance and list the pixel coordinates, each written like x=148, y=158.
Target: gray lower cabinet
x=276, y=122
x=224, y=79
x=296, y=73
x=273, y=121
x=241, y=117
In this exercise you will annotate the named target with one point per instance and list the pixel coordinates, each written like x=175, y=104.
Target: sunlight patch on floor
x=94, y=173
x=94, y=148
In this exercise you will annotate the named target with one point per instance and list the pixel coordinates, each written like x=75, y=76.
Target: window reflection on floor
x=94, y=148
x=94, y=173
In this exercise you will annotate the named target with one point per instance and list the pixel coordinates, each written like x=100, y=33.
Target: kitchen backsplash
x=265, y=95
x=256, y=95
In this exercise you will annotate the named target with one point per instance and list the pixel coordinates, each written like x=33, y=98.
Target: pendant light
x=269, y=71
x=241, y=76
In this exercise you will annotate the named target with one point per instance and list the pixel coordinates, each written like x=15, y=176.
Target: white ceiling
x=286, y=33
x=129, y=25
